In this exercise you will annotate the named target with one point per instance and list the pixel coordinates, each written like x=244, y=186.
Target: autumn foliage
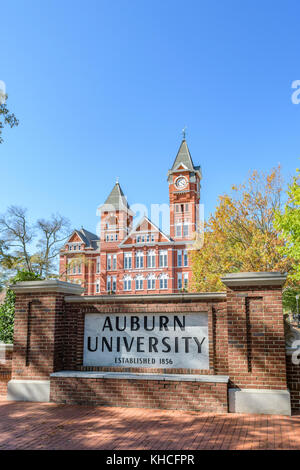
x=240, y=235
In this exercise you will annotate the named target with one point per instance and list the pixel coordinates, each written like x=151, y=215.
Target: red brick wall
x=293, y=380
x=39, y=317
x=141, y=393
x=256, y=354
x=246, y=338
x=5, y=372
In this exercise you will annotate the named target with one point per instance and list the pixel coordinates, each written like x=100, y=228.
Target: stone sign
x=153, y=341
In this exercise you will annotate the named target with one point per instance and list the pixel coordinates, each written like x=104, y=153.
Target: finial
x=184, y=132
x=117, y=180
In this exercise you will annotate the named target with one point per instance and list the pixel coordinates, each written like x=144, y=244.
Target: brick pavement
x=52, y=426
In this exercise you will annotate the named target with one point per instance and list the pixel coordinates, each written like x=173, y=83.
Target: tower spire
x=184, y=132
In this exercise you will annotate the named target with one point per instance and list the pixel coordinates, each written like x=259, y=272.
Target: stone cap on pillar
x=254, y=279
x=50, y=285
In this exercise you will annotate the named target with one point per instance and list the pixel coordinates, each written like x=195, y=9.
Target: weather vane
x=184, y=132
x=117, y=180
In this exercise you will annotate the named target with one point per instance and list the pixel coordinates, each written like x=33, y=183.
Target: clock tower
x=184, y=194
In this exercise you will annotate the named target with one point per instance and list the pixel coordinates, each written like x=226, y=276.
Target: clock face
x=181, y=182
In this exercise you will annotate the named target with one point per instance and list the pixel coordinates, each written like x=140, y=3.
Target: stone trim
x=140, y=376
x=144, y=298
x=49, y=286
x=254, y=279
x=259, y=401
x=28, y=390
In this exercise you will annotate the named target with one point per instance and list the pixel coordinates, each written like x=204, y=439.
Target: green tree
x=288, y=224
x=6, y=117
x=7, y=309
x=240, y=235
x=289, y=299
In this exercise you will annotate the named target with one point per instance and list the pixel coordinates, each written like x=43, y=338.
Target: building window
x=139, y=259
x=151, y=282
x=138, y=283
x=177, y=207
x=98, y=265
x=152, y=238
x=127, y=283
x=74, y=269
x=163, y=282
x=114, y=264
x=151, y=259
x=138, y=239
x=97, y=287
x=163, y=258
x=185, y=258
x=178, y=230
x=179, y=280
x=185, y=230
x=179, y=258
x=185, y=280
x=79, y=247
x=79, y=268
x=108, y=284
x=186, y=207
x=70, y=247
x=108, y=263
x=116, y=237
x=107, y=238
x=114, y=284
x=127, y=261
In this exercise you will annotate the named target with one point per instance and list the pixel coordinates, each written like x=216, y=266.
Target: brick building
x=140, y=259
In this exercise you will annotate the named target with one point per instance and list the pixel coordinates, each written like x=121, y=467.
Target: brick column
x=38, y=337
x=256, y=343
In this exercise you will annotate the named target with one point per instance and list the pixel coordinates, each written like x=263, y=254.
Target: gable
x=75, y=238
x=145, y=232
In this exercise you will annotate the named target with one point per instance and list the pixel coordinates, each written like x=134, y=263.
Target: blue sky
x=103, y=88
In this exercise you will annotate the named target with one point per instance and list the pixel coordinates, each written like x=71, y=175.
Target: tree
x=6, y=117
x=53, y=233
x=7, y=309
x=240, y=235
x=289, y=298
x=287, y=223
x=19, y=236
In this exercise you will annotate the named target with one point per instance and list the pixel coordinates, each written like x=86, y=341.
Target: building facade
x=129, y=259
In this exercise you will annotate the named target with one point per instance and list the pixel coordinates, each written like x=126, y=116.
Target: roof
x=183, y=157
x=117, y=199
x=89, y=239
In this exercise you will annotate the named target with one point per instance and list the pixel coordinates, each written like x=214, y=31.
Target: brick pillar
x=256, y=343
x=38, y=337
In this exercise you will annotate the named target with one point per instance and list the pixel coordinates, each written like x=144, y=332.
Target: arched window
x=127, y=283
x=151, y=281
x=139, y=281
x=163, y=281
x=151, y=259
x=139, y=259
